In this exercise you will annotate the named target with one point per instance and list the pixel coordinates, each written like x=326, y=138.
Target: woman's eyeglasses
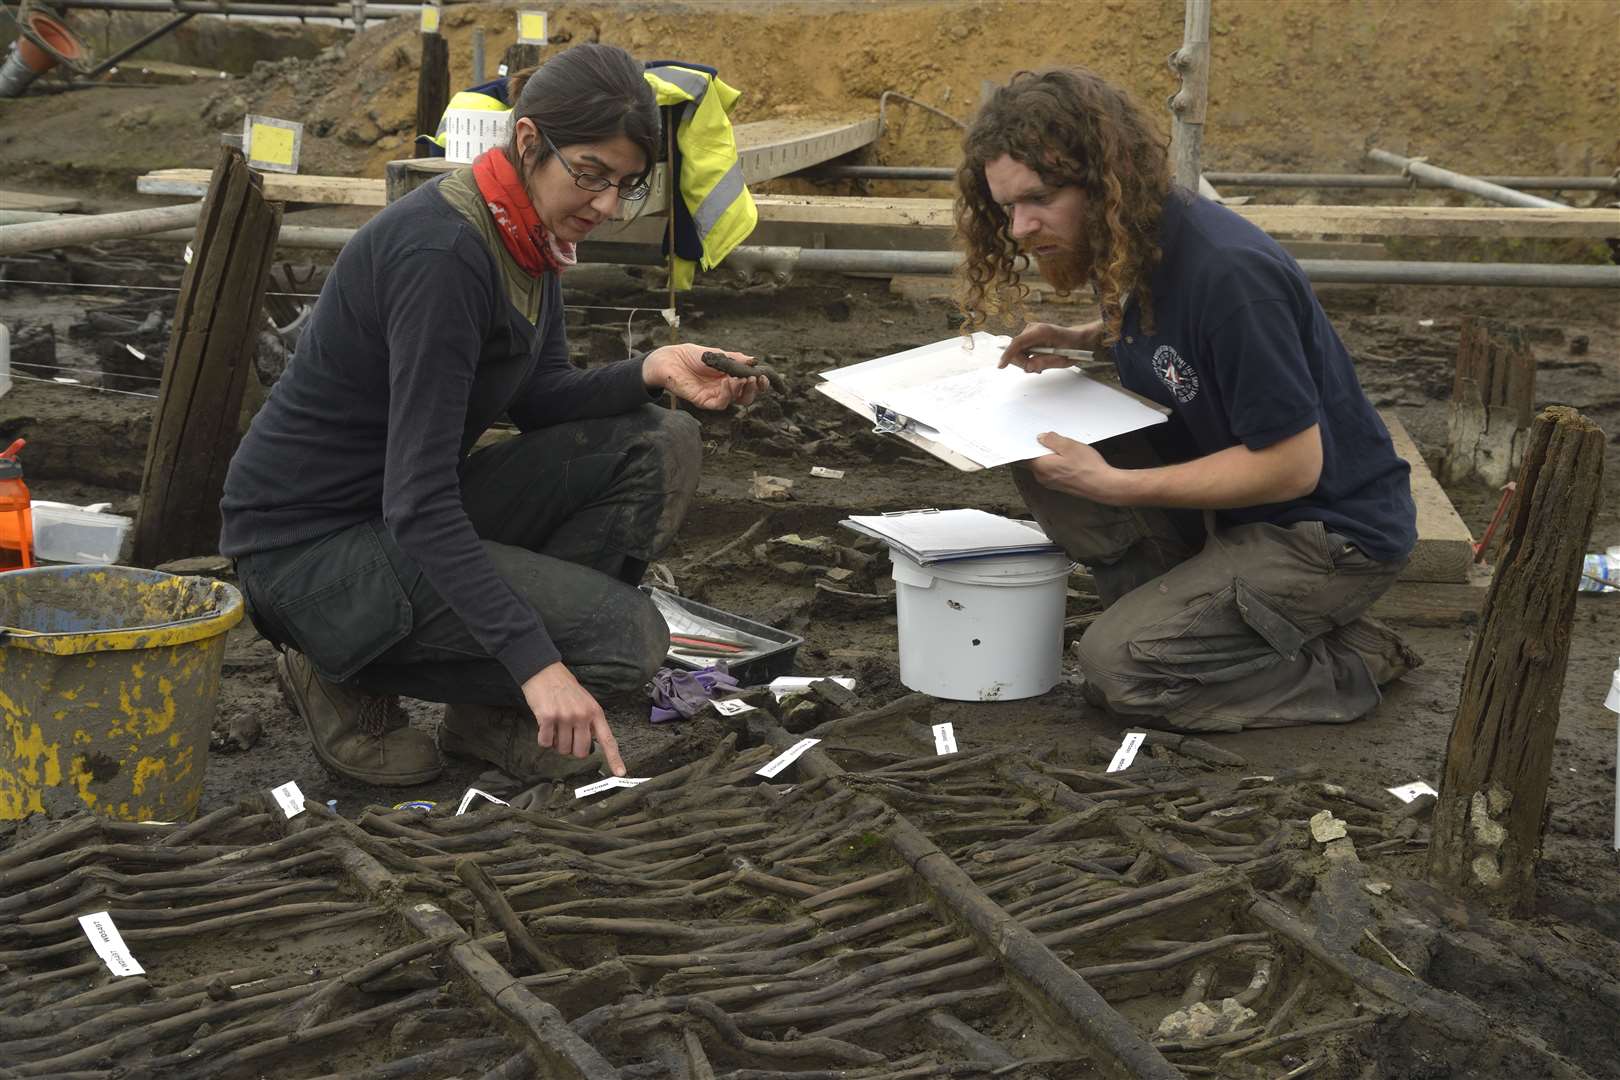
x=630, y=192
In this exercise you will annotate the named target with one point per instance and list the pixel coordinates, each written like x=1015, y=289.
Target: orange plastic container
x=16, y=519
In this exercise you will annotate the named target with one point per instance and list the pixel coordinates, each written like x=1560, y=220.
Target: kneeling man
x=1238, y=546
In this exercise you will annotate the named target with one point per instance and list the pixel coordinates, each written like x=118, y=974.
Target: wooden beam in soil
x=27, y=200
x=1480, y=222
x=1445, y=548
x=216, y=322
x=432, y=87
x=1489, y=819
x=1492, y=403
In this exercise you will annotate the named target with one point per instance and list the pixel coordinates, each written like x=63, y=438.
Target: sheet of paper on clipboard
x=950, y=399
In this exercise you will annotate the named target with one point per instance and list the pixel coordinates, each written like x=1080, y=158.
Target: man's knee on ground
x=1104, y=657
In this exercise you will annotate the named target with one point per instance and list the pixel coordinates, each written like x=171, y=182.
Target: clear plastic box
x=73, y=534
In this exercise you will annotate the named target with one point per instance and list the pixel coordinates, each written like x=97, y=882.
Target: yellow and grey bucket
x=109, y=677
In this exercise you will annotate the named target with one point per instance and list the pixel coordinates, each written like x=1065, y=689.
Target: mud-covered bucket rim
x=227, y=612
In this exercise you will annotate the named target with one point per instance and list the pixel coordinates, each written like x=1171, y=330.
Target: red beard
x=1067, y=269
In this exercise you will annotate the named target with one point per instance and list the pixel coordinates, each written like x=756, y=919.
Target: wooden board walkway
x=766, y=150
x=1445, y=548
x=1458, y=221
x=53, y=204
x=1480, y=222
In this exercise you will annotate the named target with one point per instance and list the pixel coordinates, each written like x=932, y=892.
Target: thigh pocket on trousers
x=1215, y=638
x=1264, y=616
x=342, y=604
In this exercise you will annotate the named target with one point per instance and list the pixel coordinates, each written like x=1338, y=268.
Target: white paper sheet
x=993, y=415
x=955, y=396
x=929, y=535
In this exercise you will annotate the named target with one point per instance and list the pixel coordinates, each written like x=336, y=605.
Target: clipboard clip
x=907, y=513
x=886, y=421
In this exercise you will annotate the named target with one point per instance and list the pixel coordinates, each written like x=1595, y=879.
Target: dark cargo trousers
x=1211, y=628
x=570, y=514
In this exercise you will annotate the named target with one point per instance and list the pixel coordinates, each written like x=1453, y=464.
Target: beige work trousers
x=1221, y=628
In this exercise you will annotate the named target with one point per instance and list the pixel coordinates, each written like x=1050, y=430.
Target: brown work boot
x=359, y=736
x=1385, y=652
x=509, y=740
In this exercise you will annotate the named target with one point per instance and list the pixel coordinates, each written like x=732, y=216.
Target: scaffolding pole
x=1462, y=182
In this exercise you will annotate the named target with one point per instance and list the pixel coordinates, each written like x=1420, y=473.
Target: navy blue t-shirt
x=1241, y=352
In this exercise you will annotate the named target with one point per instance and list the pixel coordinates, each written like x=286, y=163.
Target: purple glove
x=679, y=695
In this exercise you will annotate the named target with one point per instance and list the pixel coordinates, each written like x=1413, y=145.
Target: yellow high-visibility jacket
x=711, y=181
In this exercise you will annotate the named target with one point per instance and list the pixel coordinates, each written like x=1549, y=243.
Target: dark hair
x=587, y=94
x=1072, y=128
x=516, y=81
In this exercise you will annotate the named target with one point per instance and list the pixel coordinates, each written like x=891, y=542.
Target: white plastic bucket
x=986, y=629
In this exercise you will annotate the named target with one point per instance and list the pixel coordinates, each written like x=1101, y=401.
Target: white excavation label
x=1127, y=751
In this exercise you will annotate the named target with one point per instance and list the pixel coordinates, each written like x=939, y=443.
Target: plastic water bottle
x=1612, y=703
x=1605, y=566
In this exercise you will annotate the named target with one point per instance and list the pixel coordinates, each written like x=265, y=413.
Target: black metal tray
x=771, y=651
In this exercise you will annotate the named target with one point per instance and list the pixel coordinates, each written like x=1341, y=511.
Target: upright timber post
x=432, y=87
x=519, y=57
x=1493, y=793
x=1189, y=104
x=1492, y=403
x=217, y=318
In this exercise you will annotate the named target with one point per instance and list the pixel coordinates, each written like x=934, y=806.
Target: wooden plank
x=936, y=214
x=1430, y=603
x=766, y=149
x=1479, y=222
x=27, y=200
x=1445, y=546
x=210, y=358
x=1485, y=221
x=278, y=187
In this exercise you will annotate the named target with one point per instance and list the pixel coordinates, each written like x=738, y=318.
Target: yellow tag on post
x=270, y=144
x=273, y=145
x=531, y=28
x=430, y=19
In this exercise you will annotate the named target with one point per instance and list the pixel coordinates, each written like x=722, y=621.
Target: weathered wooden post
x=1492, y=403
x=1489, y=819
x=217, y=319
x=1188, y=105
x=519, y=57
x=432, y=87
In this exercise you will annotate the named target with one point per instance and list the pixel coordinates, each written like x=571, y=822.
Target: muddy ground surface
x=87, y=445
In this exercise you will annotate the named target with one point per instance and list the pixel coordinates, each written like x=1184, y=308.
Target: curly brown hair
x=1072, y=129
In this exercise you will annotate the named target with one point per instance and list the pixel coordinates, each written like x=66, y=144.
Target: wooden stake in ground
x=1489, y=818
x=1492, y=402
x=432, y=88
x=217, y=318
x=1188, y=105
x=519, y=57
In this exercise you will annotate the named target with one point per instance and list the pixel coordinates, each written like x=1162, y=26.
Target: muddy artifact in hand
x=723, y=363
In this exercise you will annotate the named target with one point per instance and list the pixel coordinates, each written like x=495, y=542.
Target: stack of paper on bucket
x=950, y=399
x=980, y=600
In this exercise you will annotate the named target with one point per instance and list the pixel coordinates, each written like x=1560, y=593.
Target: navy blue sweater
x=412, y=352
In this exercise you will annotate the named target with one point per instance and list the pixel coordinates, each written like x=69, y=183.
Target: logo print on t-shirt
x=1175, y=373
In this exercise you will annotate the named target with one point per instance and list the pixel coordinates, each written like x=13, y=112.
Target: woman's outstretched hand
x=680, y=370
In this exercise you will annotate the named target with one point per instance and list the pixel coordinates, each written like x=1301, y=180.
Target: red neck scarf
x=527, y=241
